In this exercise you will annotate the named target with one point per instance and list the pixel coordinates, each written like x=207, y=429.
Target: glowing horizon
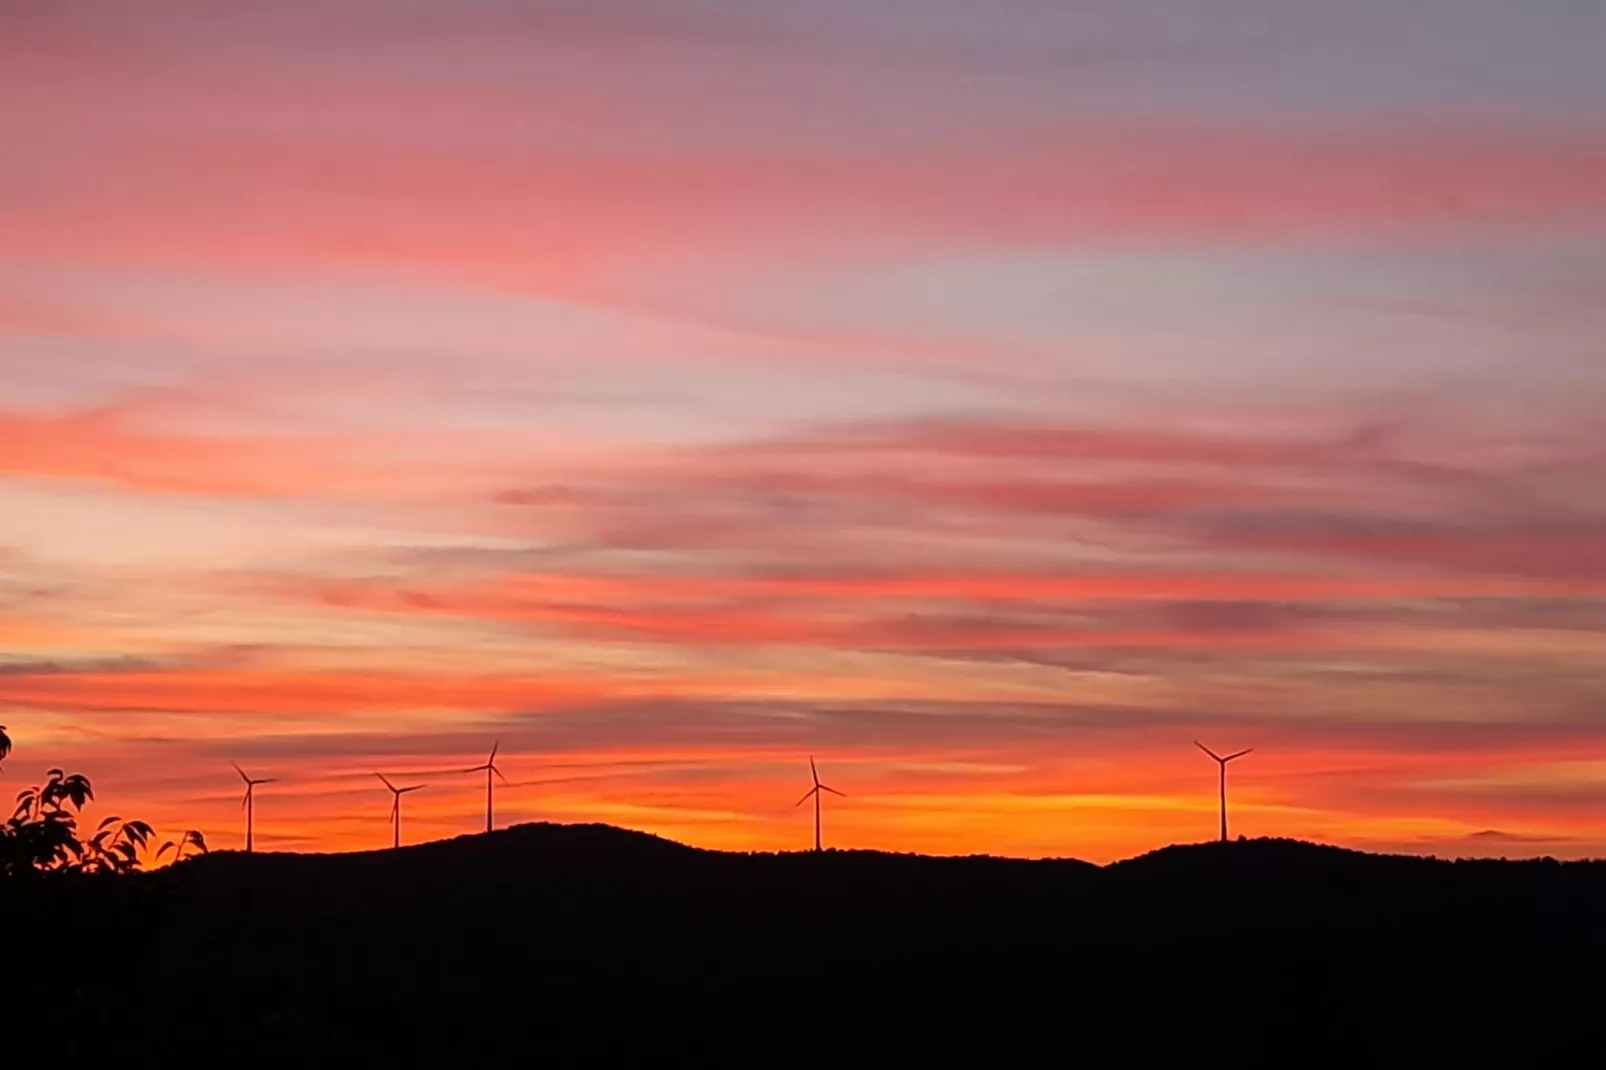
x=986, y=400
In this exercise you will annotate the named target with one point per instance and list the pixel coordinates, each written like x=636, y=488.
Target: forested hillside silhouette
x=510, y=942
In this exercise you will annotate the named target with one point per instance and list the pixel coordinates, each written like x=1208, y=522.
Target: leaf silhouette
x=42, y=833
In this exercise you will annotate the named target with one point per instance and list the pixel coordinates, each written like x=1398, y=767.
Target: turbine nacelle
x=397, y=793
x=251, y=783
x=1219, y=758
x=815, y=790
x=490, y=765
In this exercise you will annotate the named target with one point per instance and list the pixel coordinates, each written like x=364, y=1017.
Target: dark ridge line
x=621, y=840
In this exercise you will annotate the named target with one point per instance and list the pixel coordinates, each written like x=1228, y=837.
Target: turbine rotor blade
x=806, y=797
x=237, y=769
x=1207, y=750
x=813, y=772
x=415, y=787
x=494, y=746
x=498, y=772
x=1240, y=754
x=387, y=783
x=833, y=791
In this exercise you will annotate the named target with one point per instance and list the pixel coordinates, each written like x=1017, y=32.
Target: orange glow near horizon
x=674, y=392
x=986, y=802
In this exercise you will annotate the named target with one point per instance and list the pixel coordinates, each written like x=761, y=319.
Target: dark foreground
x=564, y=944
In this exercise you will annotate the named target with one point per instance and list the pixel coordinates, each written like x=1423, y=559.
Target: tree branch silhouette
x=42, y=836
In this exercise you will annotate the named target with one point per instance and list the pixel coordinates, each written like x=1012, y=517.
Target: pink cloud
x=585, y=223
x=1351, y=500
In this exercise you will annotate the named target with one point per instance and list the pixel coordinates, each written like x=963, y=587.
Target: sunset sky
x=987, y=398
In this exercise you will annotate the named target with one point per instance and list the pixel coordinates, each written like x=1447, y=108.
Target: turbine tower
x=488, y=769
x=1223, y=763
x=395, y=807
x=814, y=792
x=249, y=802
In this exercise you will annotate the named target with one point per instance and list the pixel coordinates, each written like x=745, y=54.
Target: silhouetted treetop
x=42, y=836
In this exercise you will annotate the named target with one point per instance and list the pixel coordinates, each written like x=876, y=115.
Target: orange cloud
x=913, y=612
x=40, y=635
x=100, y=445
x=116, y=444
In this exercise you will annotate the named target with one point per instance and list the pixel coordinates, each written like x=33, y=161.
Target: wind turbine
x=249, y=802
x=1223, y=763
x=395, y=806
x=488, y=768
x=815, y=793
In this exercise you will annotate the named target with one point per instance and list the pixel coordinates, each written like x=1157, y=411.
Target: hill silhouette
x=512, y=942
